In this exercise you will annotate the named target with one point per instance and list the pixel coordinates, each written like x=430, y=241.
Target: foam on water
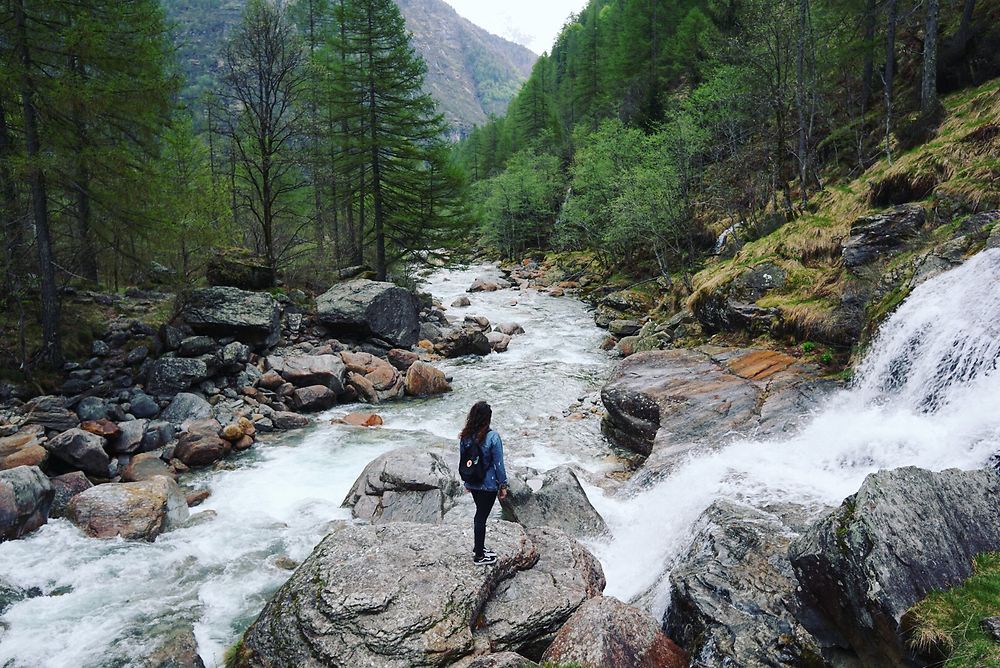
x=108, y=603
x=926, y=395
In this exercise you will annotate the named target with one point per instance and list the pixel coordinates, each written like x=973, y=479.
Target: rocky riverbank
x=231, y=368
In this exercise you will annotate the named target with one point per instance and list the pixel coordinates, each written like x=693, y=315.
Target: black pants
x=484, y=505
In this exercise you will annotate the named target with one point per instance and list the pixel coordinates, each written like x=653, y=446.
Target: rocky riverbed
x=712, y=530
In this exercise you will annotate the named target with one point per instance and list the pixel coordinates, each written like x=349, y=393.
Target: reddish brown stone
x=105, y=428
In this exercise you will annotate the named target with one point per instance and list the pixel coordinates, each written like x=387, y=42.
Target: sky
x=533, y=23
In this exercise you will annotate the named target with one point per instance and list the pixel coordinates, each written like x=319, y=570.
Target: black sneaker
x=488, y=552
x=485, y=560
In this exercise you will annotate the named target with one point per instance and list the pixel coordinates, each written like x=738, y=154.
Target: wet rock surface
x=134, y=510
x=402, y=595
x=25, y=499
x=559, y=502
x=661, y=403
x=734, y=595
x=874, y=237
x=906, y=533
x=606, y=633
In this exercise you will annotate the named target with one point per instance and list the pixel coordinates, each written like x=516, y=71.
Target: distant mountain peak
x=471, y=72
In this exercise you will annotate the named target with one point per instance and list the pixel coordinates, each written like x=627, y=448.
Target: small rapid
x=111, y=603
x=925, y=395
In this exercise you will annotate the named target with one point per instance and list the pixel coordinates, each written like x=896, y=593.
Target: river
x=925, y=395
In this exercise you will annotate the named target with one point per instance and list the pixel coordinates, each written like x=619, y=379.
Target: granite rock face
x=25, y=499
x=251, y=317
x=405, y=485
x=606, y=633
x=400, y=595
x=875, y=237
x=733, y=594
x=133, y=510
x=560, y=502
x=906, y=533
x=363, y=308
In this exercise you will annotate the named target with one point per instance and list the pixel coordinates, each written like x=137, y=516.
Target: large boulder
x=201, y=444
x=82, y=450
x=307, y=370
x=132, y=510
x=668, y=399
x=463, y=340
x=606, y=633
x=413, y=484
x=185, y=407
x=313, y=398
x=67, y=486
x=560, y=502
x=732, y=307
x=25, y=499
x=365, y=308
x=250, y=317
x=239, y=268
x=169, y=375
x=877, y=237
x=400, y=595
x=906, y=533
x=423, y=380
x=373, y=378
x=733, y=595
x=525, y=612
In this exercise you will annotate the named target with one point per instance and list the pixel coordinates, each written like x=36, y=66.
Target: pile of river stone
x=152, y=403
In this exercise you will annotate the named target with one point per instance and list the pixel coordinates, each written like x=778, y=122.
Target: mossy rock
x=239, y=268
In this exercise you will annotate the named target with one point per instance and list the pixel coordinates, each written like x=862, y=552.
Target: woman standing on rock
x=482, y=470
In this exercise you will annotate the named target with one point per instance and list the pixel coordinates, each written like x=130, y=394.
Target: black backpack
x=472, y=462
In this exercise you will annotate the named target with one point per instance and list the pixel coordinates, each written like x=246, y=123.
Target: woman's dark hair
x=478, y=423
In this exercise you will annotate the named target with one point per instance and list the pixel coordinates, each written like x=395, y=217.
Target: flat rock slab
x=906, y=533
x=393, y=595
x=661, y=402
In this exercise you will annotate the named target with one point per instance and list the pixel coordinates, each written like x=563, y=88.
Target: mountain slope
x=470, y=72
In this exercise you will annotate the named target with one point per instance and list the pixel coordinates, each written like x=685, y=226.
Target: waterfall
x=925, y=395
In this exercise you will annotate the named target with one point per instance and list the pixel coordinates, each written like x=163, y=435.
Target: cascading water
x=926, y=395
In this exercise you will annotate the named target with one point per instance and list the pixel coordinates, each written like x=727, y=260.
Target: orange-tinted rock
x=32, y=455
x=760, y=364
x=232, y=432
x=244, y=443
x=424, y=380
x=105, y=428
x=363, y=420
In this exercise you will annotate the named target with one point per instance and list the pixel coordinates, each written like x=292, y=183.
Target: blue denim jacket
x=496, y=474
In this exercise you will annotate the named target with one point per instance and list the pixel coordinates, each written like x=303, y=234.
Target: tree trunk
x=868, y=72
x=51, y=347
x=890, y=65
x=87, y=253
x=380, y=268
x=801, y=102
x=10, y=226
x=965, y=28
x=928, y=85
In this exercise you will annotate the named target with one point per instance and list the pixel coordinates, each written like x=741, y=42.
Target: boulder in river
x=733, y=595
x=201, y=444
x=313, y=398
x=250, y=317
x=401, y=595
x=463, y=340
x=132, y=510
x=67, y=486
x=560, y=502
x=81, y=450
x=25, y=499
x=606, y=633
x=423, y=380
x=498, y=341
x=365, y=308
x=413, y=484
x=906, y=533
